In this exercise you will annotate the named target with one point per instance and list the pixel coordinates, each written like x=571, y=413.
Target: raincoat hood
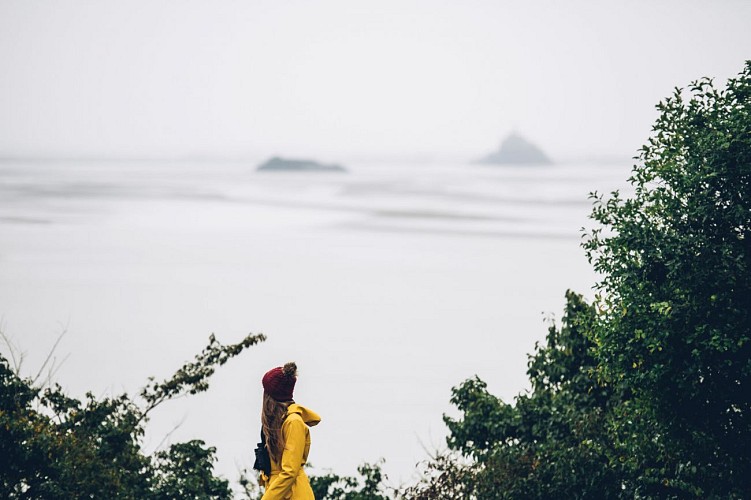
x=308, y=416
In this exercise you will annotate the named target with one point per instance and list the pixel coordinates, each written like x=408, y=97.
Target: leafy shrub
x=54, y=446
x=646, y=393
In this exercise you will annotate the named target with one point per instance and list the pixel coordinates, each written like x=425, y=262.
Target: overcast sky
x=339, y=78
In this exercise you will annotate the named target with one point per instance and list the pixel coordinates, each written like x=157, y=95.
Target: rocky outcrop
x=277, y=164
x=516, y=150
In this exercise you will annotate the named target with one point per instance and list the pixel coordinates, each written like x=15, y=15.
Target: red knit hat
x=279, y=382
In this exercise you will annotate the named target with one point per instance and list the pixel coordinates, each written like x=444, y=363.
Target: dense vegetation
x=552, y=443
x=646, y=392
x=54, y=446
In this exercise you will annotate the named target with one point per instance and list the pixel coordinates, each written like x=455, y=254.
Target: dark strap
x=263, y=461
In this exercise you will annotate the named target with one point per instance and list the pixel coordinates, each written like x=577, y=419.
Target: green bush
x=53, y=446
x=674, y=327
x=334, y=487
x=645, y=393
x=552, y=443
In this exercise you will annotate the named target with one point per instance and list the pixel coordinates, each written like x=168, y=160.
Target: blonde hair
x=272, y=417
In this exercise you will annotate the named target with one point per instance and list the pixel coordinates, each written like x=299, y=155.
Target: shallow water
x=387, y=285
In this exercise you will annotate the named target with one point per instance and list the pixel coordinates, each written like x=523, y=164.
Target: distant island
x=287, y=165
x=516, y=150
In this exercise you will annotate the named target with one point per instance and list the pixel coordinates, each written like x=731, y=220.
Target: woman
x=285, y=427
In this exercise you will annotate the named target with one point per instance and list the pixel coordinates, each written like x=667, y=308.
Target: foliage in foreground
x=53, y=446
x=645, y=393
x=334, y=487
x=675, y=322
x=552, y=443
x=367, y=485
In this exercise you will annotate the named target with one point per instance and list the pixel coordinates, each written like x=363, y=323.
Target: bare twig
x=169, y=434
x=16, y=355
x=49, y=357
x=53, y=370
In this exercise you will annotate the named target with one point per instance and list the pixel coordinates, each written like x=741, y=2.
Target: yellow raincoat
x=288, y=481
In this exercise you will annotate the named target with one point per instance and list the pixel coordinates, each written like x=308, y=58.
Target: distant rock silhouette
x=516, y=150
x=288, y=165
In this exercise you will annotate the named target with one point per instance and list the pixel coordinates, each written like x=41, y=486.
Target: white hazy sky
x=338, y=78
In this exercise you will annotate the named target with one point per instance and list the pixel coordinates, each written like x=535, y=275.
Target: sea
x=388, y=285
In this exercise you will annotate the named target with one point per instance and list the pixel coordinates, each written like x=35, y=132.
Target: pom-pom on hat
x=279, y=382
